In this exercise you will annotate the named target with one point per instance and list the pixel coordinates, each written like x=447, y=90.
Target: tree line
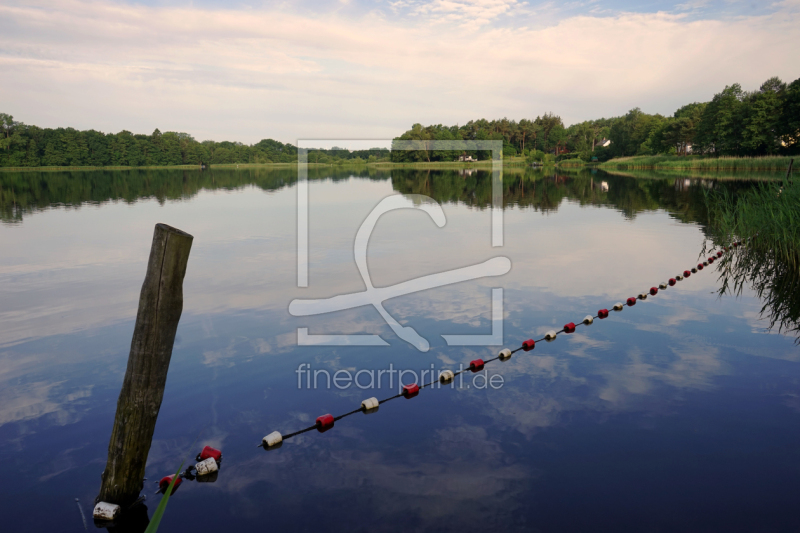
x=22, y=145
x=734, y=123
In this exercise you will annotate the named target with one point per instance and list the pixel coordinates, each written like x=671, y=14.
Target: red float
x=476, y=365
x=209, y=452
x=569, y=328
x=324, y=423
x=163, y=485
x=672, y=282
x=699, y=266
x=686, y=273
x=529, y=345
x=653, y=291
x=409, y=391
x=603, y=313
x=719, y=254
x=631, y=302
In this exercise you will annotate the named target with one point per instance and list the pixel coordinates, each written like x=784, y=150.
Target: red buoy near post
x=163, y=485
x=476, y=365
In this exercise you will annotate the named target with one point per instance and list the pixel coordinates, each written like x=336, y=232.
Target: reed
x=152, y=527
x=767, y=218
x=766, y=163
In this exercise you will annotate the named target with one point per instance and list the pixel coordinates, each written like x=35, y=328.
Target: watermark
x=392, y=378
x=497, y=266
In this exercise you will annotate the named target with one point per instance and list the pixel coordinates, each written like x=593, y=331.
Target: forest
x=735, y=122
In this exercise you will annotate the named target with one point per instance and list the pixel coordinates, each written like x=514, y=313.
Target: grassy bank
x=576, y=163
x=672, y=162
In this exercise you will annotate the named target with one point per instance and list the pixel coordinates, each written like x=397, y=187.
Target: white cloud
x=245, y=74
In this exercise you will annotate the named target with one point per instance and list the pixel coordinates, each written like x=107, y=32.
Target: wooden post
x=160, y=307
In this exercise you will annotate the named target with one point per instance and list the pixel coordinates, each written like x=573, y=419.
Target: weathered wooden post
x=160, y=307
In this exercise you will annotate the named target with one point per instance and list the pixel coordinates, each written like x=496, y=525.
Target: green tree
x=720, y=128
x=789, y=125
x=761, y=118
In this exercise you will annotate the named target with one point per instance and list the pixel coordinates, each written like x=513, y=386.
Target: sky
x=244, y=71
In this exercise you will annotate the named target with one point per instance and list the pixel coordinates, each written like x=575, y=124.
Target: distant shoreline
x=676, y=163
x=516, y=162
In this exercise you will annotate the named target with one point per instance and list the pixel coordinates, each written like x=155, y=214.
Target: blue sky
x=353, y=69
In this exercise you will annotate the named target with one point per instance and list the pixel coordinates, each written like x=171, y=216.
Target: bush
x=535, y=156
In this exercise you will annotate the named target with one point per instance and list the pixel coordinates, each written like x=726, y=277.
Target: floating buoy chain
x=325, y=422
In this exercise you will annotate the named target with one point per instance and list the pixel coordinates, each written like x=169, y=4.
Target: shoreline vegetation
x=696, y=165
x=485, y=164
x=766, y=219
x=674, y=162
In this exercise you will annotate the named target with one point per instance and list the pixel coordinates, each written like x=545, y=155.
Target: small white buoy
x=550, y=335
x=446, y=376
x=662, y=286
x=588, y=320
x=370, y=405
x=504, y=355
x=273, y=439
x=206, y=467
x=643, y=296
x=679, y=277
x=106, y=511
x=618, y=307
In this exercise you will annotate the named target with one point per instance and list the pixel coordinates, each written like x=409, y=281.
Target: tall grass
x=767, y=217
x=774, y=163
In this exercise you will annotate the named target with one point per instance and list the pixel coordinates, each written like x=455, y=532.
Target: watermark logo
x=375, y=297
x=392, y=378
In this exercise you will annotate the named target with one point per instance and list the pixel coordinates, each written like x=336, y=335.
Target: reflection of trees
x=537, y=189
x=26, y=192
x=545, y=190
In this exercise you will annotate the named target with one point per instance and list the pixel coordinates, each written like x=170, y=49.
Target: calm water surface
x=680, y=414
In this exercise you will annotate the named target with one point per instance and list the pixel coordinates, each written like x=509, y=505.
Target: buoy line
x=325, y=422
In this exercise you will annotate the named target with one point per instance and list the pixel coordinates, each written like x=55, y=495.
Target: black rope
x=299, y=432
x=463, y=370
x=348, y=414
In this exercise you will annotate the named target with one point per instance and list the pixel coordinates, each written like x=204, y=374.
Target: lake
x=681, y=413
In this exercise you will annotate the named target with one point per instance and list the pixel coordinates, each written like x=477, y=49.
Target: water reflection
x=662, y=417
x=23, y=193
